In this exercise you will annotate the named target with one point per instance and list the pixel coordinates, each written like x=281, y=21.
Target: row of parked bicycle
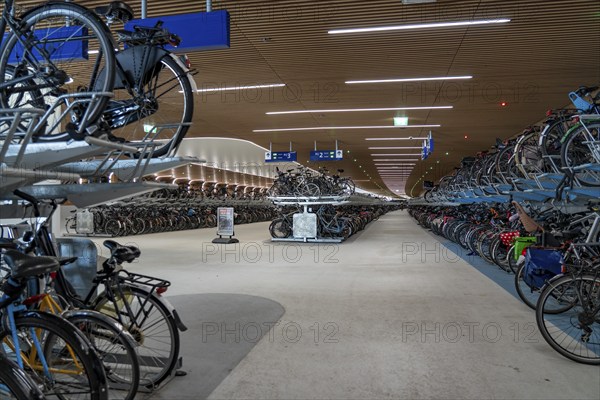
x=211, y=191
x=305, y=183
x=130, y=219
x=558, y=159
x=332, y=222
x=555, y=257
x=59, y=343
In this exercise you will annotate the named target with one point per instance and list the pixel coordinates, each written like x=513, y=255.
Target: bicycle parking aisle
x=376, y=299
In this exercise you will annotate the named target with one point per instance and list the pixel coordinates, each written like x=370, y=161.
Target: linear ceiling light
x=440, y=78
x=394, y=160
x=396, y=148
x=395, y=155
x=360, y=110
x=404, y=138
x=249, y=87
x=389, y=165
x=320, y=128
x=419, y=26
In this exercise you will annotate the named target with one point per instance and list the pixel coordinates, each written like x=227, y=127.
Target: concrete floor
x=391, y=313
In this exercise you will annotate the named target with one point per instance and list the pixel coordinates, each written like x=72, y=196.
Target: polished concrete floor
x=392, y=313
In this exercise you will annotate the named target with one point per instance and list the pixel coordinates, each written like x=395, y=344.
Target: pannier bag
x=508, y=237
x=541, y=265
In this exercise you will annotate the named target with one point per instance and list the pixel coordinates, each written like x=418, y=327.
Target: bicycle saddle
x=122, y=253
x=116, y=9
x=24, y=266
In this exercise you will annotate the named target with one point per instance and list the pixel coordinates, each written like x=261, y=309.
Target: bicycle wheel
x=15, y=384
x=65, y=46
x=152, y=327
x=75, y=371
x=280, y=229
x=164, y=102
x=115, y=348
x=528, y=294
x=574, y=332
x=576, y=152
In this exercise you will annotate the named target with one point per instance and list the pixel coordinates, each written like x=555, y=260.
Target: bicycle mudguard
x=104, y=318
x=187, y=72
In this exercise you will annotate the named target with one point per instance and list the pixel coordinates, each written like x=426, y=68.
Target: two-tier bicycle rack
x=307, y=219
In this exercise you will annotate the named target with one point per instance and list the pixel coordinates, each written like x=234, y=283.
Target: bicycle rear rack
x=144, y=280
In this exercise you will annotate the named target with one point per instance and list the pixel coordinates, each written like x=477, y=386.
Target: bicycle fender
x=104, y=318
x=187, y=72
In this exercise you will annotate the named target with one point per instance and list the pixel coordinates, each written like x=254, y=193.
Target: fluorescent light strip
x=395, y=148
x=395, y=155
x=419, y=26
x=225, y=89
x=320, y=128
x=404, y=138
x=392, y=160
x=360, y=110
x=438, y=78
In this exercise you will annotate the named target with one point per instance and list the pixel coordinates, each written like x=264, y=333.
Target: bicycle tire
x=168, y=100
x=528, y=295
x=153, y=369
x=15, y=384
x=116, y=349
x=572, y=329
x=575, y=152
x=57, y=331
x=72, y=68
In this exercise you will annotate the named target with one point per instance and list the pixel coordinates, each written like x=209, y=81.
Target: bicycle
x=56, y=355
x=135, y=301
x=153, y=88
x=47, y=57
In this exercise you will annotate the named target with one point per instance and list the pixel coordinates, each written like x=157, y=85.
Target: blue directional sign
x=280, y=156
x=425, y=152
x=326, y=155
x=430, y=144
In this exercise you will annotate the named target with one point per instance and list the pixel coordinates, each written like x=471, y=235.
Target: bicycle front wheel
x=115, y=348
x=74, y=370
x=163, y=109
x=61, y=47
x=575, y=331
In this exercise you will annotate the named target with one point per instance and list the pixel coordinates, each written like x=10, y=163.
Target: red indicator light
x=504, y=104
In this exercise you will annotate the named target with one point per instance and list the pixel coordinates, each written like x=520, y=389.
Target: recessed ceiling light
x=249, y=87
x=440, y=78
x=321, y=128
x=359, y=110
x=419, y=26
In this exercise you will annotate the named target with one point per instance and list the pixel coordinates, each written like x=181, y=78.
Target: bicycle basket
x=579, y=102
x=521, y=243
x=541, y=265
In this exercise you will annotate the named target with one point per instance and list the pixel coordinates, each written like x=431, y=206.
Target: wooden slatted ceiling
x=550, y=48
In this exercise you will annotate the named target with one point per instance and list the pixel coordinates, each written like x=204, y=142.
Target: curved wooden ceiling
x=548, y=49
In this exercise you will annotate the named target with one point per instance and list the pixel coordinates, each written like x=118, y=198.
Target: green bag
x=521, y=243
